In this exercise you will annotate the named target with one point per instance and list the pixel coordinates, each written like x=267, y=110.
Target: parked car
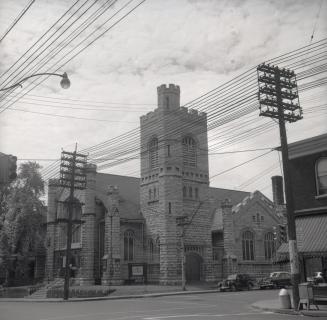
x=279, y=279
x=317, y=277
x=236, y=282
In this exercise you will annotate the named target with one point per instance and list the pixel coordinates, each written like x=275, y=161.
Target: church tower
x=175, y=184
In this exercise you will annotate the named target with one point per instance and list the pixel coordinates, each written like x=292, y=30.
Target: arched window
x=153, y=153
x=321, y=176
x=248, y=245
x=129, y=245
x=269, y=246
x=189, y=152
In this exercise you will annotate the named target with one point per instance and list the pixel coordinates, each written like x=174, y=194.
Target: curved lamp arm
x=65, y=82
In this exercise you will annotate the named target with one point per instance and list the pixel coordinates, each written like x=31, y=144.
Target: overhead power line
x=222, y=108
x=17, y=19
x=79, y=47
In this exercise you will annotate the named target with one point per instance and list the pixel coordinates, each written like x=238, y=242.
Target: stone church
x=141, y=229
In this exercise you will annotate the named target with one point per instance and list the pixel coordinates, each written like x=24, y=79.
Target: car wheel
x=233, y=288
x=250, y=286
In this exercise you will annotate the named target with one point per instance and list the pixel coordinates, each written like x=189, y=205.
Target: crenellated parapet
x=183, y=112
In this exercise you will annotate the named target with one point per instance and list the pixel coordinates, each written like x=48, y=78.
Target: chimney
x=277, y=189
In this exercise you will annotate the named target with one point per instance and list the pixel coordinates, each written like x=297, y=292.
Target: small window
x=76, y=234
x=321, y=176
x=196, y=193
x=155, y=193
x=150, y=194
x=153, y=153
x=269, y=245
x=184, y=192
x=190, y=192
x=151, y=250
x=168, y=150
x=169, y=207
x=253, y=218
x=262, y=218
x=189, y=152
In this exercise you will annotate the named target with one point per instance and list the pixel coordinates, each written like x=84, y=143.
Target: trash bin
x=285, y=300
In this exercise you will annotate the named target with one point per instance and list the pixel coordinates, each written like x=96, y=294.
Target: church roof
x=129, y=193
x=238, y=203
x=219, y=194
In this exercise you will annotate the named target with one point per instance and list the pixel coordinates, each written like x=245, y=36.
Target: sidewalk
x=129, y=291
x=274, y=306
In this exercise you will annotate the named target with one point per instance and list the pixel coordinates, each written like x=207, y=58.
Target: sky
x=196, y=44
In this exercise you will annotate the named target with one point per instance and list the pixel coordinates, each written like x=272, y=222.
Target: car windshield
x=232, y=277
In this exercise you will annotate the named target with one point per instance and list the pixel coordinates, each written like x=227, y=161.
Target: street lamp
x=65, y=82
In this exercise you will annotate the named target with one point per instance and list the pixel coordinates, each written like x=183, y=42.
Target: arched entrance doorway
x=193, y=267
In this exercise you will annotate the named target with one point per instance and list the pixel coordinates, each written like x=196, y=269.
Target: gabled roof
x=217, y=221
x=129, y=193
x=256, y=194
x=218, y=194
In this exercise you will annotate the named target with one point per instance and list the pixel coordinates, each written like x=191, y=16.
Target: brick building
x=130, y=230
x=308, y=170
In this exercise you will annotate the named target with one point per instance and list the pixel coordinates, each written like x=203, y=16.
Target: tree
x=22, y=220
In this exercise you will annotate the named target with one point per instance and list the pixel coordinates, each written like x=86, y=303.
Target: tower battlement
x=191, y=113
x=168, y=97
x=172, y=88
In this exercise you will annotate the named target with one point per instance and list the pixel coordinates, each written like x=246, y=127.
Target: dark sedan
x=236, y=282
x=280, y=279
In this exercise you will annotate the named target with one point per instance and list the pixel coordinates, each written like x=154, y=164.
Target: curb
x=308, y=313
x=274, y=310
x=137, y=296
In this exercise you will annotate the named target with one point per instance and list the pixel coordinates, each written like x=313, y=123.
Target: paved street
x=229, y=305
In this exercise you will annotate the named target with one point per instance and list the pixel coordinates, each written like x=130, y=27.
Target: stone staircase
x=42, y=292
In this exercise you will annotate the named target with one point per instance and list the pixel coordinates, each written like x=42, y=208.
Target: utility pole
x=72, y=176
x=184, y=223
x=279, y=99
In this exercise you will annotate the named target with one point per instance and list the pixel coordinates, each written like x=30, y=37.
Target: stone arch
x=193, y=266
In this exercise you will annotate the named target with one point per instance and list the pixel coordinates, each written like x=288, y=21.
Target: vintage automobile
x=236, y=282
x=279, y=279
